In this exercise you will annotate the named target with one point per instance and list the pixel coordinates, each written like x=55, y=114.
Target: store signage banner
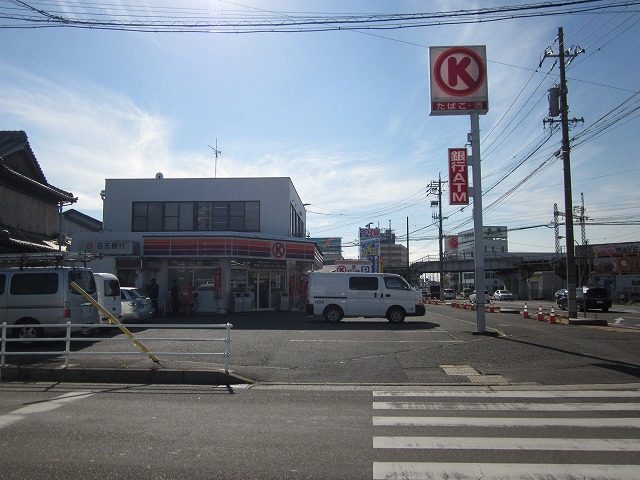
x=458, y=177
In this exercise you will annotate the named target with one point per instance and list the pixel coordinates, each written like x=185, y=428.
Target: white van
x=336, y=295
x=44, y=295
x=108, y=287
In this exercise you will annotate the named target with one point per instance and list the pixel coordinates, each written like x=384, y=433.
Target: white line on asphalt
x=512, y=394
x=41, y=407
x=393, y=421
x=519, y=407
x=496, y=471
x=374, y=341
x=495, y=443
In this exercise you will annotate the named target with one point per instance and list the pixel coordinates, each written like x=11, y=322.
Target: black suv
x=595, y=298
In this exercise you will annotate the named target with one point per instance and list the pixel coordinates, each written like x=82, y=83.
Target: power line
x=180, y=19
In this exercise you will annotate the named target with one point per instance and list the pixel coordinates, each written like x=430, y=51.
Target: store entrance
x=259, y=285
x=265, y=286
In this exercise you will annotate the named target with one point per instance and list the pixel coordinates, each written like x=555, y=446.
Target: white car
x=136, y=306
x=502, y=295
x=472, y=297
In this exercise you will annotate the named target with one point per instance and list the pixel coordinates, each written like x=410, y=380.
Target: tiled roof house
x=29, y=206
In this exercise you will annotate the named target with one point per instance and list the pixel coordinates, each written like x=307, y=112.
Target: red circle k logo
x=278, y=250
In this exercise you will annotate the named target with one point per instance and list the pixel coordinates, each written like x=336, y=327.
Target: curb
x=113, y=375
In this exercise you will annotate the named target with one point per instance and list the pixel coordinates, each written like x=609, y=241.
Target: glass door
x=259, y=287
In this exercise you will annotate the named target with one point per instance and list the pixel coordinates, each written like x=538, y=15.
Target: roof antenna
x=216, y=152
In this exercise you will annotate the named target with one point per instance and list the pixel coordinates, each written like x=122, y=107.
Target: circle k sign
x=458, y=80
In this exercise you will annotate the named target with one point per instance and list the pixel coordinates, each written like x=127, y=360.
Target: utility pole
x=408, y=263
x=566, y=161
x=216, y=153
x=438, y=189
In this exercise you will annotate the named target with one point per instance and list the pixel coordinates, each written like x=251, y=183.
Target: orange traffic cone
x=552, y=316
x=540, y=314
x=525, y=312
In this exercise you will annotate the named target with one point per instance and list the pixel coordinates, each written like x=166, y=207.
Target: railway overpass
x=513, y=268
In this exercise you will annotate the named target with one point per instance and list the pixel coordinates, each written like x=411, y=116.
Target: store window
x=196, y=216
x=192, y=273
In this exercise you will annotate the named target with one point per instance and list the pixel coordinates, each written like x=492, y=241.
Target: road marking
x=496, y=471
x=41, y=407
x=512, y=394
x=509, y=407
x=494, y=443
x=392, y=421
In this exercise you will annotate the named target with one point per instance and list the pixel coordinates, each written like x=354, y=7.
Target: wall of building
x=276, y=195
x=27, y=214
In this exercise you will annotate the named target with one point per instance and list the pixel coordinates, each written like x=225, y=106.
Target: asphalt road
x=79, y=431
x=441, y=347
x=361, y=399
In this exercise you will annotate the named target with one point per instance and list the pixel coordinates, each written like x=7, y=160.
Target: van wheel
x=333, y=314
x=395, y=315
x=28, y=333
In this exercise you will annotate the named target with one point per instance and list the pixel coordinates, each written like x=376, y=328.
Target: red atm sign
x=458, y=177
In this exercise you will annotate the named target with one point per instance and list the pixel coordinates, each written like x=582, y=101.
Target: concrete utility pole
x=438, y=190
x=566, y=160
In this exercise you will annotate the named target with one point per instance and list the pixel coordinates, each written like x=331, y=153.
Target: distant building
x=331, y=248
x=238, y=242
x=30, y=207
x=494, y=241
x=394, y=255
x=74, y=221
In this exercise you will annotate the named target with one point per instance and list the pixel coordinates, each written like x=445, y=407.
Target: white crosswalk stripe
x=507, y=434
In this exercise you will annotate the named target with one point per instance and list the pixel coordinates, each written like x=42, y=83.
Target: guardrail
x=69, y=340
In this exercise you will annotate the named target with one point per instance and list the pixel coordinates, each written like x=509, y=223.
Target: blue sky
x=345, y=114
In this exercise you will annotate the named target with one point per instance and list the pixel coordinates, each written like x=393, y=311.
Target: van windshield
x=395, y=283
x=84, y=279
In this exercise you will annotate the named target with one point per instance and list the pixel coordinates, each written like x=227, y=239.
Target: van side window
x=84, y=279
x=363, y=283
x=3, y=279
x=394, y=283
x=34, y=284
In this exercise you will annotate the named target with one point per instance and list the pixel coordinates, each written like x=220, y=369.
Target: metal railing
x=69, y=340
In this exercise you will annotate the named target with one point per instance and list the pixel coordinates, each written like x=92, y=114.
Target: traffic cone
x=525, y=312
x=552, y=316
x=540, y=314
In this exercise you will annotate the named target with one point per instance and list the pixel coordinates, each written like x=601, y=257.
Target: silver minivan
x=43, y=296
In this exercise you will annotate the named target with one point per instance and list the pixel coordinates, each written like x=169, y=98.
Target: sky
x=344, y=113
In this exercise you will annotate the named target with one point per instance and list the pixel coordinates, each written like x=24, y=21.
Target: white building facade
x=224, y=238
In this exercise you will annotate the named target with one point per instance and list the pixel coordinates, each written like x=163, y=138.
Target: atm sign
x=458, y=177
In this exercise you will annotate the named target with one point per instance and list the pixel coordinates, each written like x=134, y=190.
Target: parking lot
x=289, y=347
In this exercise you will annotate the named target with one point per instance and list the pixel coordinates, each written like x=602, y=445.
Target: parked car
x=466, y=292
x=136, y=306
x=473, y=297
x=502, y=295
x=563, y=292
x=594, y=298
x=449, y=294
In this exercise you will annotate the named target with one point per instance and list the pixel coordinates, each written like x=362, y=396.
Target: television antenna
x=216, y=152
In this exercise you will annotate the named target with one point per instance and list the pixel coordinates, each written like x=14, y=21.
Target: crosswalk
x=507, y=433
